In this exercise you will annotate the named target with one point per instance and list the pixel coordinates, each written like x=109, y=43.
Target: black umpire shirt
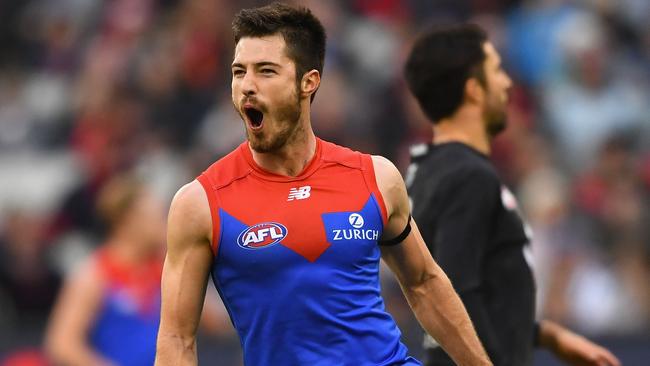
x=472, y=227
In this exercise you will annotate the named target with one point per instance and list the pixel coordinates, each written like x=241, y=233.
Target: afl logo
x=262, y=235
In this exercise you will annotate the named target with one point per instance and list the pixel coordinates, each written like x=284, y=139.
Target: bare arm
x=185, y=276
x=66, y=339
x=573, y=348
x=426, y=287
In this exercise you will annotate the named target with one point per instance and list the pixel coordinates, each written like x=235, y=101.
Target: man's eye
x=268, y=71
x=238, y=72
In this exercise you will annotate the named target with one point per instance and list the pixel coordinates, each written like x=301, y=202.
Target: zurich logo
x=356, y=220
x=262, y=235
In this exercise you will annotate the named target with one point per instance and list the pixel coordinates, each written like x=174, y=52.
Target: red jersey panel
x=297, y=259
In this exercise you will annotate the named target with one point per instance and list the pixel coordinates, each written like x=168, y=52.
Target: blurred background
x=92, y=88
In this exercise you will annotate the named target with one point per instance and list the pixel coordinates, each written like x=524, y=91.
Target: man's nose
x=249, y=86
x=508, y=82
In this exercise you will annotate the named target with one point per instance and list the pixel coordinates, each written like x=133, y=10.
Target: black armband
x=400, y=238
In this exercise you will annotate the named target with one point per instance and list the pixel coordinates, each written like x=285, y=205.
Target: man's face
x=496, y=91
x=265, y=93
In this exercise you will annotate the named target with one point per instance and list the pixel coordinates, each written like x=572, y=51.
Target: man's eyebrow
x=258, y=64
x=267, y=63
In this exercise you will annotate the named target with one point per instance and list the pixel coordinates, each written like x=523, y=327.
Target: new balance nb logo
x=299, y=193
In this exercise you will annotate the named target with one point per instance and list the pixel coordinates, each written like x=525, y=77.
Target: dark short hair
x=302, y=32
x=441, y=62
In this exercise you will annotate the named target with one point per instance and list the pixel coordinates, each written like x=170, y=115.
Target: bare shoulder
x=189, y=214
x=385, y=169
x=390, y=183
x=191, y=204
x=86, y=278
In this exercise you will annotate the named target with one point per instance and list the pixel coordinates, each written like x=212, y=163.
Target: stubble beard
x=496, y=117
x=287, y=117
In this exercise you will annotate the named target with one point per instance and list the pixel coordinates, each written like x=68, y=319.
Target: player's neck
x=465, y=126
x=293, y=157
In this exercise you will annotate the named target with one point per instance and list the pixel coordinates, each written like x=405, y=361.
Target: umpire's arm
x=185, y=276
x=426, y=287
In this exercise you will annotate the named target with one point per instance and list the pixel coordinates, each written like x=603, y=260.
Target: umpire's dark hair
x=302, y=31
x=441, y=62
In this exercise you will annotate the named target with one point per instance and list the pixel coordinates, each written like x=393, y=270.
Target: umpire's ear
x=474, y=91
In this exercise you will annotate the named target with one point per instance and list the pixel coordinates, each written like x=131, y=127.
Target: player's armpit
x=185, y=274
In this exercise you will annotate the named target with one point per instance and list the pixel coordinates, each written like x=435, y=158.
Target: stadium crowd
x=90, y=89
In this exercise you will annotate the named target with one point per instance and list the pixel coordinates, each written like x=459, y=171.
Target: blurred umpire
x=467, y=216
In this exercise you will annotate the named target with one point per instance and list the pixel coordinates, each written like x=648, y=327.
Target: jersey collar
x=311, y=167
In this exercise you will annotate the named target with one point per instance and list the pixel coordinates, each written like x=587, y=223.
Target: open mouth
x=255, y=117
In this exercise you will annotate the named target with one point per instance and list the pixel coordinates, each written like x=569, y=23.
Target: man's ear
x=474, y=91
x=309, y=83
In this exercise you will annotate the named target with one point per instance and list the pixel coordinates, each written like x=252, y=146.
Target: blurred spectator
x=28, y=282
x=617, y=262
x=534, y=33
x=594, y=98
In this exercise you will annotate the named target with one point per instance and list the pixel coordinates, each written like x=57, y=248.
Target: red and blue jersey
x=126, y=326
x=297, y=260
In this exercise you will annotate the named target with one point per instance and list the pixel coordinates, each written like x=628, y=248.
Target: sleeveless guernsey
x=297, y=260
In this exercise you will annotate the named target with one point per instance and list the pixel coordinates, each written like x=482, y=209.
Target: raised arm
x=185, y=276
x=426, y=287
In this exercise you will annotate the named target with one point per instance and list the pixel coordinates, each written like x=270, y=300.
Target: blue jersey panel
x=292, y=311
x=125, y=335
